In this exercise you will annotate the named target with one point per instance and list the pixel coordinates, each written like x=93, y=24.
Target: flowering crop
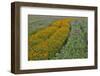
x=50, y=41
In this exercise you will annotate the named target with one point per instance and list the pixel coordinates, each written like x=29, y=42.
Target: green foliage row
x=76, y=46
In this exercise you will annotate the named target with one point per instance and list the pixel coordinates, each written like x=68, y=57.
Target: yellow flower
x=47, y=42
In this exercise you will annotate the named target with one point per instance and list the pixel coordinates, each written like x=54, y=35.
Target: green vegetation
x=76, y=46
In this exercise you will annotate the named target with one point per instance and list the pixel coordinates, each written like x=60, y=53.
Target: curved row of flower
x=46, y=43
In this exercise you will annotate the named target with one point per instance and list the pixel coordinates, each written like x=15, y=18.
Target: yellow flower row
x=47, y=32
x=42, y=35
x=50, y=46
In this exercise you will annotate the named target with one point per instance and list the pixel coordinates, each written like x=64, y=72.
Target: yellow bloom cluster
x=42, y=35
x=48, y=41
x=63, y=22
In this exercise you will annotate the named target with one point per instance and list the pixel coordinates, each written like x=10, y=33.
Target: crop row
x=45, y=43
x=48, y=48
x=48, y=31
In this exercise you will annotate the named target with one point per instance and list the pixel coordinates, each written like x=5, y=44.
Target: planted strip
x=76, y=46
x=48, y=48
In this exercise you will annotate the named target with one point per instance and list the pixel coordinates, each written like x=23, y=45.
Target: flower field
x=58, y=38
